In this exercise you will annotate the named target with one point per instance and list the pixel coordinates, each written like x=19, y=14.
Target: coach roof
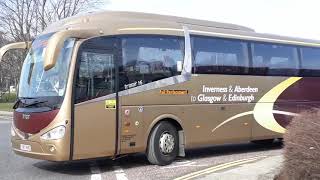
x=126, y=19
x=118, y=22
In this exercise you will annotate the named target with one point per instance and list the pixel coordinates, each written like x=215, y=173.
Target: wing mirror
x=56, y=43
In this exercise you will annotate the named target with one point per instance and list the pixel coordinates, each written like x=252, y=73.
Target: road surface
x=129, y=167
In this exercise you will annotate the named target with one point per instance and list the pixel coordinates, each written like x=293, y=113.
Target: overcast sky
x=299, y=18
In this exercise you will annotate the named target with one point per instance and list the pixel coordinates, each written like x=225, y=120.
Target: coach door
x=95, y=102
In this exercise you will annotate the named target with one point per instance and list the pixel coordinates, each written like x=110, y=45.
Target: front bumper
x=51, y=150
x=36, y=152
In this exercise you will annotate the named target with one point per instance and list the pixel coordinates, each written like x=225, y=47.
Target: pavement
x=5, y=113
x=5, y=116
x=233, y=161
x=264, y=169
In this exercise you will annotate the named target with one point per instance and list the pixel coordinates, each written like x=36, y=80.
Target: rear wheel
x=163, y=144
x=264, y=142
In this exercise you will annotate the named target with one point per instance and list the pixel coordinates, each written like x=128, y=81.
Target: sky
x=297, y=18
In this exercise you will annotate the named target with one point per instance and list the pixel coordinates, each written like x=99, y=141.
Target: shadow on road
x=70, y=168
x=138, y=160
x=227, y=149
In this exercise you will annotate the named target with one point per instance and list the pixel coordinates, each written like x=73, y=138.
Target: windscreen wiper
x=18, y=101
x=16, y=104
x=35, y=103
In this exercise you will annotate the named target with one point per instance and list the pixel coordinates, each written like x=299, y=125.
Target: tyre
x=263, y=142
x=163, y=144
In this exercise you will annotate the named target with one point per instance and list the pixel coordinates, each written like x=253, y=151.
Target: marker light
x=52, y=148
x=54, y=134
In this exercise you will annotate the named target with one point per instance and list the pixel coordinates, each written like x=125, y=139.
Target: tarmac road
x=130, y=167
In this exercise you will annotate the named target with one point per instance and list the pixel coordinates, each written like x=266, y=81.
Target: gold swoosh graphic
x=249, y=113
x=232, y=118
x=263, y=111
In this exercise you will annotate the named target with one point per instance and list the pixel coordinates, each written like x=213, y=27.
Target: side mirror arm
x=12, y=46
x=56, y=43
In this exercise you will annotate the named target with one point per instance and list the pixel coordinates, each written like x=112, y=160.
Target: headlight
x=54, y=134
x=12, y=132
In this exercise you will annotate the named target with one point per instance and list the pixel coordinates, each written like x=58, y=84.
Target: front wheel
x=163, y=144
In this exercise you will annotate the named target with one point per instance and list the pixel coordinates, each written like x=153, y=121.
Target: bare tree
x=17, y=18
x=11, y=65
x=3, y=72
x=3, y=39
x=22, y=20
x=10, y=69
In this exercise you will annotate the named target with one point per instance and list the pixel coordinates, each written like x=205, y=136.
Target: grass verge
x=6, y=107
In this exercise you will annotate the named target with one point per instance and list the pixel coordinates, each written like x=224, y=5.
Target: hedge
x=302, y=148
x=8, y=98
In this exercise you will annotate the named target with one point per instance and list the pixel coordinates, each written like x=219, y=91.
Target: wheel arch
x=175, y=121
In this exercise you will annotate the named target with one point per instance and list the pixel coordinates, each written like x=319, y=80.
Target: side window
x=148, y=59
x=219, y=56
x=274, y=60
x=310, y=63
x=96, y=76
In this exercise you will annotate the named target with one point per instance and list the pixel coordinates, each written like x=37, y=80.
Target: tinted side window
x=148, y=59
x=274, y=60
x=219, y=56
x=96, y=76
x=310, y=65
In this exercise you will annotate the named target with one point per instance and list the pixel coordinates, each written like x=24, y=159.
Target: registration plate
x=24, y=147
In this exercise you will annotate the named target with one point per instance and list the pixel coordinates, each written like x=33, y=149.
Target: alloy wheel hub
x=166, y=143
